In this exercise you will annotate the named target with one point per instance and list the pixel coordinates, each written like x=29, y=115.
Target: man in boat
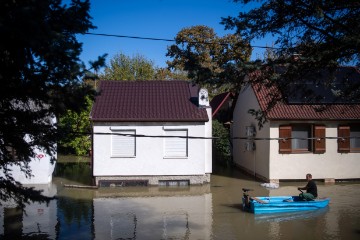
x=311, y=189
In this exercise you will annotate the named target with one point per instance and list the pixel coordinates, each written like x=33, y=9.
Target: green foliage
x=221, y=145
x=324, y=32
x=76, y=129
x=123, y=67
x=138, y=67
x=167, y=74
x=208, y=58
x=310, y=36
x=40, y=76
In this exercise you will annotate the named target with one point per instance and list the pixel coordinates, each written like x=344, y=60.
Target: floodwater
x=211, y=211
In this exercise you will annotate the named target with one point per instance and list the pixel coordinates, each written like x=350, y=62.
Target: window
x=349, y=138
x=174, y=183
x=123, y=143
x=301, y=135
x=301, y=138
x=355, y=138
x=176, y=143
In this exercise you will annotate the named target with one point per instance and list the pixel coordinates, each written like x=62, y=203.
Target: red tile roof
x=217, y=102
x=147, y=101
x=284, y=111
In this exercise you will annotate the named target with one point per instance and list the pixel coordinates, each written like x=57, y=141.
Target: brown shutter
x=343, y=139
x=319, y=141
x=285, y=144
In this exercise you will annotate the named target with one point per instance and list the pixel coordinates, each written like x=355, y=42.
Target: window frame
x=173, y=139
x=352, y=148
x=115, y=133
x=316, y=143
x=308, y=131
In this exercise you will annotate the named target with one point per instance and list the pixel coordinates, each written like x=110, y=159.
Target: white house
x=298, y=138
x=42, y=167
x=42, y=163
x=150, y=133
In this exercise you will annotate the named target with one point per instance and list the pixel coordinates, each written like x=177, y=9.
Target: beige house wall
x=255, y=162
x=329, y=165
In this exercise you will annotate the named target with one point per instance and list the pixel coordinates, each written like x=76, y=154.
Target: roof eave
x=149, y=120
x=313, y=119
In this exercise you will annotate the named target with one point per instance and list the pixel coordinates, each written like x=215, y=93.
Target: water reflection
x=281, y=217
x=153, y=218
x=211, y=211
x=36, y=221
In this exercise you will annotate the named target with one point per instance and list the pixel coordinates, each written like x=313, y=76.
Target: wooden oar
x=258, y=200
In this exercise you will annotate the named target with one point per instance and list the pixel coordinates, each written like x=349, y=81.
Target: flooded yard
x=211, y=211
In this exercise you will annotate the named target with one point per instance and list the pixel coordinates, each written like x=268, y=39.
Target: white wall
x=331, y=164
x=149, y=158
x=257, y=162
x=41, y=165
x=208, y=142
x=41, y=169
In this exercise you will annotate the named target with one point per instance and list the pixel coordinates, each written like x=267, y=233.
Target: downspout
x=92, y=153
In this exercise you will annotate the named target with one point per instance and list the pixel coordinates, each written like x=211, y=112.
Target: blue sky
x=155, y=19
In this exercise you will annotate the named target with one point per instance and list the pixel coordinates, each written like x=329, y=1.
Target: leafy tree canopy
x=138, y=67
x=75, y=127
x=208, y=58
x=40, y=76
x=123, y=67
x=167, y=74
x=311, y=36
x=325, y=33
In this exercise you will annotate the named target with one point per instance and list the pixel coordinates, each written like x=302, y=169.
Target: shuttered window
x=319, y=142
x=176, y=143
x=297, y=138
x=343, y=139
x=123, y=143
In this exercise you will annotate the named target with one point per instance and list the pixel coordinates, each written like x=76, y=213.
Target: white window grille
x=176, y=143
x=123, y=143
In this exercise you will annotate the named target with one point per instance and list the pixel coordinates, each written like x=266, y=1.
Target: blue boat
x=278, y=204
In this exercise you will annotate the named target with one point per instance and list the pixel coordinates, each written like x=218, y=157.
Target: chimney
x=203, y=98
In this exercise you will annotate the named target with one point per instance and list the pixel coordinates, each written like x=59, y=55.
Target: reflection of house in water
x=37, y=220
x=151, y=213
x=162, y=215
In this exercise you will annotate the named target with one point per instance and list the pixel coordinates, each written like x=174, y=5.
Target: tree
x=75, y=127
x=123, y=67
x=310, y=35
x=222, y=145
x=40, y=76
x=324, y=32
x=208, y=58
x=167, y=74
